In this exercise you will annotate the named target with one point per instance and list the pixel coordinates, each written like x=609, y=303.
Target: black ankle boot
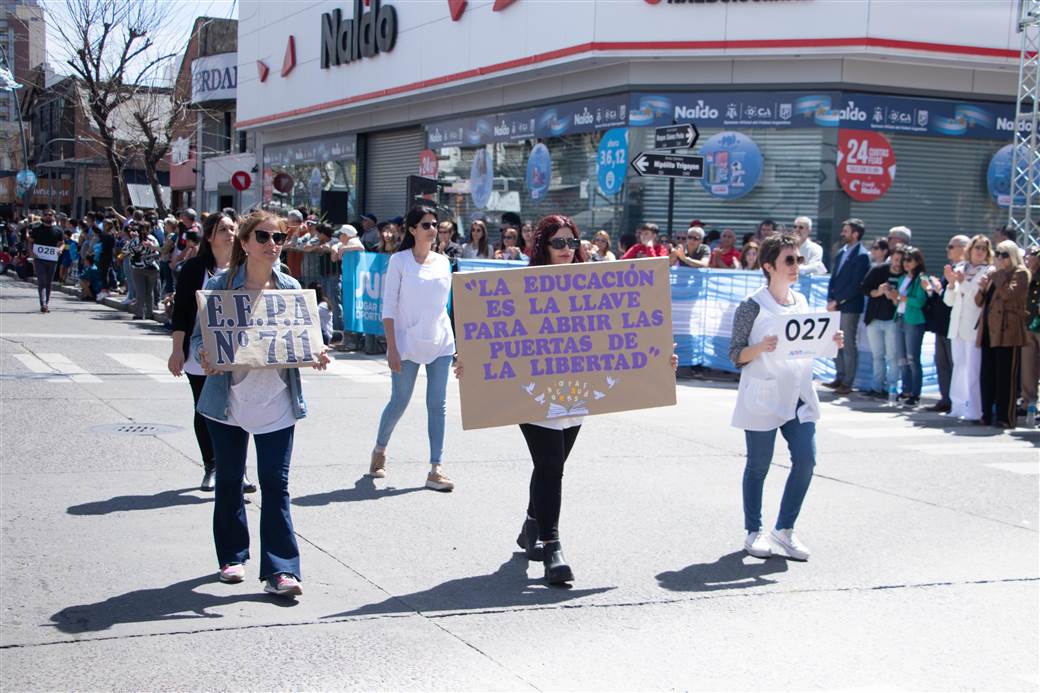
x=557, y=571
x=529, y=541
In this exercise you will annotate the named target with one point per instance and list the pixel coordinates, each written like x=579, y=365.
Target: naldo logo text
x=701, y=110
x=364, y=36
x=851, y=112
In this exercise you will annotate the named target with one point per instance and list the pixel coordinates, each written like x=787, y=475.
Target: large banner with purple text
x=259, y=329
x=544, y=343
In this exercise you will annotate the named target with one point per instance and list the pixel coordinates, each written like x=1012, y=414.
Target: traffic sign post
x=241, y=180
x=683, y=136
x=669, y=165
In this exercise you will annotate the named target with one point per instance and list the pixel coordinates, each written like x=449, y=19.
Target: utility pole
x=1024, y=207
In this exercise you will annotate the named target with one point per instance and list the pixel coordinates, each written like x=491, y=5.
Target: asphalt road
x=924, y=572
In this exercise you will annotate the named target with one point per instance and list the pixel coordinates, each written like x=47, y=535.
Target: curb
x=109, y=302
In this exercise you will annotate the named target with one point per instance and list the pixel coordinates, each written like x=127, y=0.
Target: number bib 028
x=807, y=335
x=47, y=253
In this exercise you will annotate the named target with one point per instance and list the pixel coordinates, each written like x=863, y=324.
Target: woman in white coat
x=418, y=332
x=775, y=394
x=963, y=284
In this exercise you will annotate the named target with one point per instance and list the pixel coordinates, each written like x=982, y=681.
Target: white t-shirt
x=415, y=297
x=259, y=401
x=191, y=364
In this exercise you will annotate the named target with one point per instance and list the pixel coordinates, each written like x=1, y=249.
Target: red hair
x=546, y=228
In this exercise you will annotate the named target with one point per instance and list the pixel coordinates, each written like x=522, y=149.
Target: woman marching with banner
x=262, y=403
x=776, y=392
x=550, y=441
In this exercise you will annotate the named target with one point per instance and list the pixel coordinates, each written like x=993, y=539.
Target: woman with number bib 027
x=263, y=403
x=775, y=394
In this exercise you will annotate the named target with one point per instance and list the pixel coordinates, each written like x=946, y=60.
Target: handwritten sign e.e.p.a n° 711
x=244, y=329
x=541, y=343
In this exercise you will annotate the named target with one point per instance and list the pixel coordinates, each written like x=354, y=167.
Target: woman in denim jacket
x=264, y=403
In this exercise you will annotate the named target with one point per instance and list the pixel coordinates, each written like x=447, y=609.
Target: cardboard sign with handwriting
x=276, y=328
x=540, y=343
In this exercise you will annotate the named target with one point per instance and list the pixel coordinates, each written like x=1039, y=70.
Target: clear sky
x=173, y=38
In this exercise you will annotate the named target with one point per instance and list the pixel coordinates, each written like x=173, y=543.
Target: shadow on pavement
x=176, y=602
x=364, y=489
x=509, y=586
x=166, y=499
x=728, y=572
x=145, y=325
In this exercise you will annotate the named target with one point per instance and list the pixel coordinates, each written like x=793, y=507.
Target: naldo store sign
x=214, y=78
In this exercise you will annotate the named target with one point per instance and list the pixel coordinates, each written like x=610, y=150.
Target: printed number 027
x=793, y=330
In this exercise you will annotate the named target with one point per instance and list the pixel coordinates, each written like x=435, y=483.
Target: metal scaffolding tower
x=1024, y=208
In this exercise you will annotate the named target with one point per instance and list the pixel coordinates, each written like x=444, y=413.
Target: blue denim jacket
x=213, y=401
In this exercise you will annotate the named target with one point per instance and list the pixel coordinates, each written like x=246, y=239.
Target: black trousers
x=943, y=366
x=998, y=383
x=201, y=430
x=549, y=451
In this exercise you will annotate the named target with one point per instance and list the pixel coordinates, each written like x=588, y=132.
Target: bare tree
x=157, y=113
x=114, y=56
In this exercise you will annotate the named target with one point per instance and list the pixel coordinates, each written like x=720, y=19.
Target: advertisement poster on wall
x=612, y=161
x=866, y=164
x=733, y=165
x=539, y=171
x=998, y=176
x=481, y=174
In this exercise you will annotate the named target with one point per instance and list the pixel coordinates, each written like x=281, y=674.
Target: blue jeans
x=886, y=347
x=913, y=337
x=402, y=384
x=801, y=442
x=278, y=550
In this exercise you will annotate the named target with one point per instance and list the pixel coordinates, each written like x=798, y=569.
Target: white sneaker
x=756, y=544
x=790, y=544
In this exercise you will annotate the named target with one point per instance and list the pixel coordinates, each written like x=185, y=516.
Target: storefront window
x=316, y=174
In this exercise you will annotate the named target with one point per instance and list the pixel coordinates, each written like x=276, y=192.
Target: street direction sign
x=670, y=165
x=241, y=180
x=676, y=136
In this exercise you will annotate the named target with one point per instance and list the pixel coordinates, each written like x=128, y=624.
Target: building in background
x=898, y=113
x=23, y=35
x=207, y=147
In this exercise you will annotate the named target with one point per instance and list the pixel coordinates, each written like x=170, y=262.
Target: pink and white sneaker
x=232, y=573
x=283, y=585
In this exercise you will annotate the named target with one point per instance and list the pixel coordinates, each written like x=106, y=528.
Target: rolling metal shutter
x=789, y=185
x=391, y=157
x=939, y=191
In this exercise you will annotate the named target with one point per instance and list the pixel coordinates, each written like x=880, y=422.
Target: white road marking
x=146, y=364
x=967, y=447
x=37, y=366
x=55, y=335
x=62, y=364
x=357, y=371
x=1032, y=468
x=881, y=433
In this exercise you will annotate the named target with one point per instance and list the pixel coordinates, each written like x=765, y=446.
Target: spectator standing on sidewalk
x=910, y=299
x=937, y=320
x=142, y=253
x=477, y=246
x=647, y=245
x=963, y=279
x=879, y=318
x=810, y=249
x=727, y=255
x=1002, y=334
x=775, y=394
x=845, y=294
x=1031, y=350
x=692, y=251
x=45, y=243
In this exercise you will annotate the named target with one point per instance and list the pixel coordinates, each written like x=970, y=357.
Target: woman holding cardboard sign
x=556, y=242
x=774, y=395
x=264, y=404
x=418, y=331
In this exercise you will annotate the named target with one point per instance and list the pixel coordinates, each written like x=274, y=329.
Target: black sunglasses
x=791, y=260
x=1003, y=256
x=264, y=236
x=428, y=224
x=561, y=243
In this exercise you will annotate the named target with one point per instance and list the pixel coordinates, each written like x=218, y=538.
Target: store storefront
x=892, y=112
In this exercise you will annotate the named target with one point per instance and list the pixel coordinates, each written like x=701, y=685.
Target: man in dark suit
x=845, y=294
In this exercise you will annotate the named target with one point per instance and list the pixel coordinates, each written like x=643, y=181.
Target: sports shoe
x=232, y=573
x=283, y=585
x=790, y=544
x=377, y=468
x=439, y=482
x=756, y=544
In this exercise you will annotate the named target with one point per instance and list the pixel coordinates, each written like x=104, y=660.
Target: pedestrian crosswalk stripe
x=966, y=447
x=64, y=366
x=880, y=433
x=357, y=371
x=146, y=364
x=37, y=366
x=1017, y=467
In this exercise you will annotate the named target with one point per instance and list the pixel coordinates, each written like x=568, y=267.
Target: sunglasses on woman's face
x=264, y=236
x=428, y=224
x=1003, y=256
x=792, y=260
x=561, y=243
x=509, y=237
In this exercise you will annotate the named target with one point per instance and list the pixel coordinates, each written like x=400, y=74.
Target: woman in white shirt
x=963, y=284
x=418, y=332
x=556, y=242
x=264, y=404
x=774, y=395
